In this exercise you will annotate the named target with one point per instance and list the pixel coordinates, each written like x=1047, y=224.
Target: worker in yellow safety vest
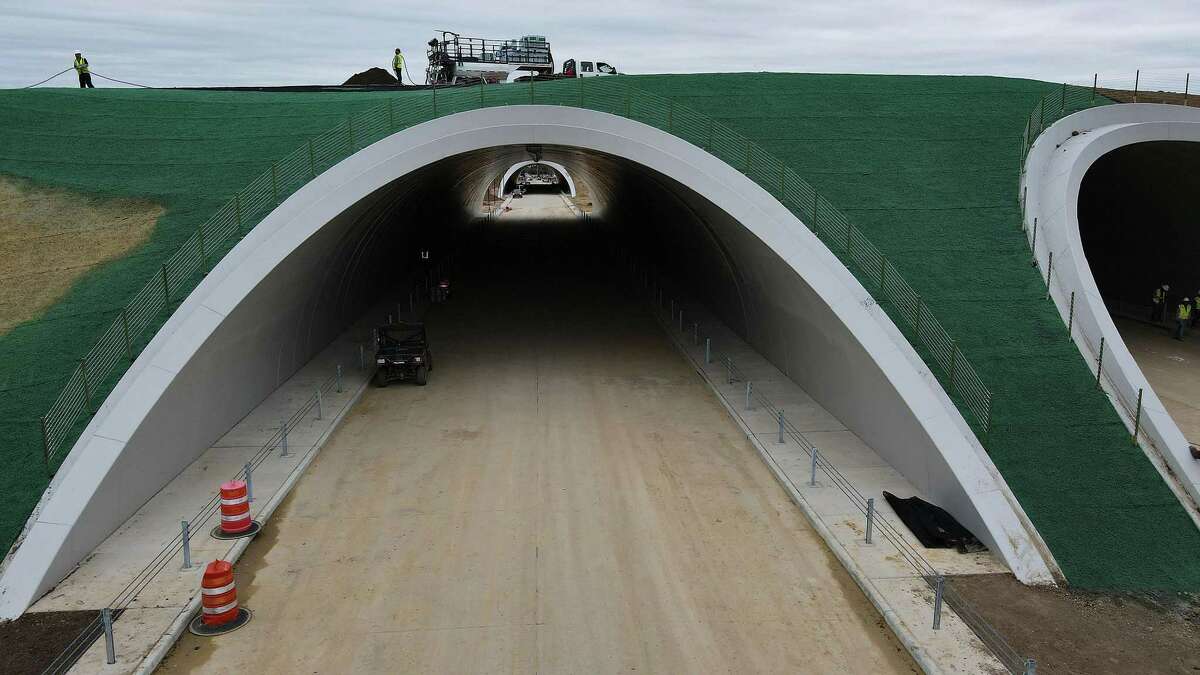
x=85, y=75
x=398, y=66
x=1183, y=318
x=1159, y=306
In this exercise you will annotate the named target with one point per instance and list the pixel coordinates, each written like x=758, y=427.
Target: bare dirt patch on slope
x=49, y=237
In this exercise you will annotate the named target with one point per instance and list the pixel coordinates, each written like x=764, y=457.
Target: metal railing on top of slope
x=180, y=273
x=1053, y=107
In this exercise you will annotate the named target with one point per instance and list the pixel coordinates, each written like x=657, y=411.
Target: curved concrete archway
x=562, y=171
x=1054, y=172
x=285, y=290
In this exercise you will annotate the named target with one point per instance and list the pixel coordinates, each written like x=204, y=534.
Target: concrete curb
x=899, y=628
x=155, y=657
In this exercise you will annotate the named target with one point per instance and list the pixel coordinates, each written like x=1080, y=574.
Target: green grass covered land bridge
x=925, y=167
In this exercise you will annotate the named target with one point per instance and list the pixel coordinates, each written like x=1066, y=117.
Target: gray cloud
x=213, y=42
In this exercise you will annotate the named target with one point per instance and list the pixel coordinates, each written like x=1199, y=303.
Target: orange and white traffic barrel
x=219, y=610
x=235, y=512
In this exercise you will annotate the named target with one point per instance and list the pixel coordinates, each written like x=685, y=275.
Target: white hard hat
x=1166, y=287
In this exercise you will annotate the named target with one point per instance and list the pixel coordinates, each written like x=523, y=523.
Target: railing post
x=1095, y=81
x=283, y=449
x=275, y=182
x=1137, y=79
x=1100, y=362
x=125, y=328
x=939, y=585
x=708, y=350
x=312, y=162
x=695, y=333
x=187, y=544
x=1064, y=99
x=200, y=242
x=1071, y=316
x=1049, y=271
x=870, y=517
x=46, y=445
x=166, y=286
x=812, y=476
x=1137, y=418
x=1033, y=245
x=1187, y=83
x=781, y=426
x=249, y=471
x=87, y=387
x=749, y=392
x=110, y=646
x=339, y=378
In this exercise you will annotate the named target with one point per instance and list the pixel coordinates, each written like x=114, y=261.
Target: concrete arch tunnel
x=319, y=260
x=562, y=171
x=1062, y=162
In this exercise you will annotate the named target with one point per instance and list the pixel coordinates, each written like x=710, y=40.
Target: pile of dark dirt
x=1075, y=631
x=31, y=642
x=371, y=76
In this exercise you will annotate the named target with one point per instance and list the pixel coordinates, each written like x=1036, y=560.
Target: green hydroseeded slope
x=925, y=166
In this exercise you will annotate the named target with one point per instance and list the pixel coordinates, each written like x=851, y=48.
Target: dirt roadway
x=565, y=496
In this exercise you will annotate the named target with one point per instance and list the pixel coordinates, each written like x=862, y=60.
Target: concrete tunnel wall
x=300, y=277
x=1054, y=172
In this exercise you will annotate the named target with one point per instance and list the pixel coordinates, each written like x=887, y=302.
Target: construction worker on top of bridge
x=398, y=66
x=1158, y=309
x=1183, y=318
x=85, y=75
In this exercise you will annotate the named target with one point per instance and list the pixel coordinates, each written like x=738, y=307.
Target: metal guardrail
x=118, y=345
x=672, y=304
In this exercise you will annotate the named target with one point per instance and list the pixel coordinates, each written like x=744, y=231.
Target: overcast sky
x=242, y=42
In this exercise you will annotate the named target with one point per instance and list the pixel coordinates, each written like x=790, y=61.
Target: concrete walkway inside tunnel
x=566, y=495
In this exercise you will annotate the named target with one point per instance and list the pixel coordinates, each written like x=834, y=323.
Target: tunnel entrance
x=1139, y=223
x=341, y=248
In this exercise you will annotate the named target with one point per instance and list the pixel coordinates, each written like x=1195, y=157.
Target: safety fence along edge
x=119, y=345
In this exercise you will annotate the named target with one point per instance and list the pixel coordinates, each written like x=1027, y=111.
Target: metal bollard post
x=708, y=350
x=249, y=471
x=283, y=440
x=695, y=333
x=780, y=426
x=1030, y=667
x=680, y=319
x=749, y=390
x=870, y=517
x=939, y=584
x=187, y=545
x=318, y=403
x=110, y=645
x=362, y=359
x=812, y=478
x=339, y=378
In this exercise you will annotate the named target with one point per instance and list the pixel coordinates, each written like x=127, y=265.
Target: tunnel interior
x=536, y=178
x=1139, y=223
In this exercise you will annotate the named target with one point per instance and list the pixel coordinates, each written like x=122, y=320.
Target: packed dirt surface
x=565, y=496
x=50, y=237
x=1172, y=367
x=1128, y=96
x=30, y=644
x=1070, y=631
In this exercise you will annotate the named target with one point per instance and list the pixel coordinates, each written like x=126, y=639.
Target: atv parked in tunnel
x=402, y=353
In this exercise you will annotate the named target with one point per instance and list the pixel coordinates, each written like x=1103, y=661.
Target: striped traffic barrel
x=218, y=601
x=235, y=507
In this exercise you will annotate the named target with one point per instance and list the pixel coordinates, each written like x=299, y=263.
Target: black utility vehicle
x=402, y=354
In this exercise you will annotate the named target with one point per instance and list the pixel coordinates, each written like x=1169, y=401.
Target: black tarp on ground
x=932, y=525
